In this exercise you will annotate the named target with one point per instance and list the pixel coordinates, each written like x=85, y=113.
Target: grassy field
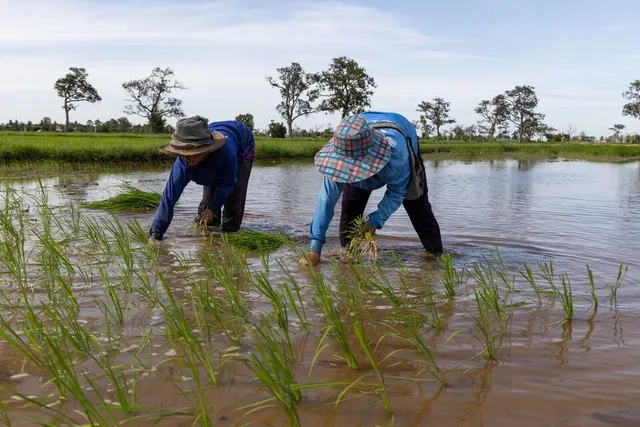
x=114, y=148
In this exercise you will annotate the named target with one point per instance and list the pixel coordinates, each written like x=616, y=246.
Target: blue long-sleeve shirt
x=218, y=170
x=395, y=175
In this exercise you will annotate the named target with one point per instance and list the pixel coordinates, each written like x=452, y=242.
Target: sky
x=580, y=55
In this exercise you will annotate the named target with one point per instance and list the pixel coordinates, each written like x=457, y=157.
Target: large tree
x=617, y=132
x=494, y=115
x=633, y=96
x=345, y=86
x=74, y=88
x=436, y=113
x=247, y=119
x=297, y=91
x=522, y=102
x=149, y=98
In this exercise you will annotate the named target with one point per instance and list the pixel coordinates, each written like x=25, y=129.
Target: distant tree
x=458, y=132
x=522, y=102
x=46, y=125
x=494, y=116
x=345, y=86
x=247, y=119
x=617, y=132
x=297, y=92
x=277, y=130
x=571, y=131
x=633, y=95
x=437, y=113
x=425, y=127
x=74, y=88
x=149, y=98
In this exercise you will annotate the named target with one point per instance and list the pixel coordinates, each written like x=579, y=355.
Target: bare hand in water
x=312, y=258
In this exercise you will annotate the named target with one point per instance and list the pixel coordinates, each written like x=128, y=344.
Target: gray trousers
x=231, y=217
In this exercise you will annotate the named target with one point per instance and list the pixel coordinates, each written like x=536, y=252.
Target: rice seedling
x=613, y=289
x=270, y=365
x=257, y=241
x=129, y=198
x=279, y=305
x=324, y=299
x=485, y=333
x=566, y=297
x=489, y=293
x=359, y=331
x=594, y=295
x=450, y=278
x=297, y=304
x=361, y=245
x=532, y=281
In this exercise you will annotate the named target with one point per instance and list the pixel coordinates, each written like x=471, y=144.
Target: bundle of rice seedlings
x=361, y=245
x=129, y=199
x=257, y=241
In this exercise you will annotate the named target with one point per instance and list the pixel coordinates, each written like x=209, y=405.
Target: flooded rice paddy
x=532, y=318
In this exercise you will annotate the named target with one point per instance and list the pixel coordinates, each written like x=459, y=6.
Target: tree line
x=344, y=87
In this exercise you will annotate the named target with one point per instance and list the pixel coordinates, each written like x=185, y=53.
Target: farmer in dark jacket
x=218, y=156
x=358, y=160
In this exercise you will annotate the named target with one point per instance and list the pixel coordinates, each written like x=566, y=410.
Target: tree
x=150, y=98
x=494, y=114
x=297, y=91
x=277, y=130
x=74, y=88
x=436, y=112
x=522, y=102
x=346, y=86
x=632, y=94
x=617, y=132
x=247, y=119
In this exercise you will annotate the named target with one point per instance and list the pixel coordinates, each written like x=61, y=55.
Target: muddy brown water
x=572, y=213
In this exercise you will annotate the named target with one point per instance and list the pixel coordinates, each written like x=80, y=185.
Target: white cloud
x=222, y=51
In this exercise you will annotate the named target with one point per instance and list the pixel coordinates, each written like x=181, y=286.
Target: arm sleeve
x=178, y=180
x=329, y=194
x=393, y=197
x=228, y=182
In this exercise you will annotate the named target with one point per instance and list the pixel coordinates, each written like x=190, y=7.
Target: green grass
x=129, y=199
x=116, y=148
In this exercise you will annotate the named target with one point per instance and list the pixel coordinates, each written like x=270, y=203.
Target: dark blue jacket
x=218, y=170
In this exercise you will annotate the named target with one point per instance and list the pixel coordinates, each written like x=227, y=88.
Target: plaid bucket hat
x=192, y=136
x=355, y=153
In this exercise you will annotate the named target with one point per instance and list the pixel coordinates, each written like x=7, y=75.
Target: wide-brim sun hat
x=356, y=151
x=193, y=137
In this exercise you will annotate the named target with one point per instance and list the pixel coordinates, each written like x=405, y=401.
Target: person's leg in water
x=354, y=202
x=233, y=212
x=424, y=221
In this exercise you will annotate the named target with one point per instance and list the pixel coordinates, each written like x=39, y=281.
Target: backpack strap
x=391, y=125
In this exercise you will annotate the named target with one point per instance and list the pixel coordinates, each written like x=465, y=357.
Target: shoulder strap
x=391, y=125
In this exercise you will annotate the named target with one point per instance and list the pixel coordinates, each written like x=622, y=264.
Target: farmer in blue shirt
x=218, y=156
x=358, y=160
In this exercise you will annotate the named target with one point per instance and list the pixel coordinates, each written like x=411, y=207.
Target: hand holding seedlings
x=205, y=219
x=312, y=258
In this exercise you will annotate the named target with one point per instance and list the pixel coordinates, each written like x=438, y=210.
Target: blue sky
x=580, y=55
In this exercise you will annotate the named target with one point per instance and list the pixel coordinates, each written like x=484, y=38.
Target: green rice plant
x=613, y=289
x=485, y=333
x=532, y=281
x=257, y=241
x=359, y=331
x=416, y=339
x=450, y=279
x=548, y=275
x=594, y=295
x=361, y=246
x=290, y=286
x=279, y=305
x=270, y=364
x=489, y=293
x=128, y=199
x=324, y=299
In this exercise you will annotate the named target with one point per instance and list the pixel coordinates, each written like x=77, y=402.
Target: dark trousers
x=234, y=205
x=354, y=202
